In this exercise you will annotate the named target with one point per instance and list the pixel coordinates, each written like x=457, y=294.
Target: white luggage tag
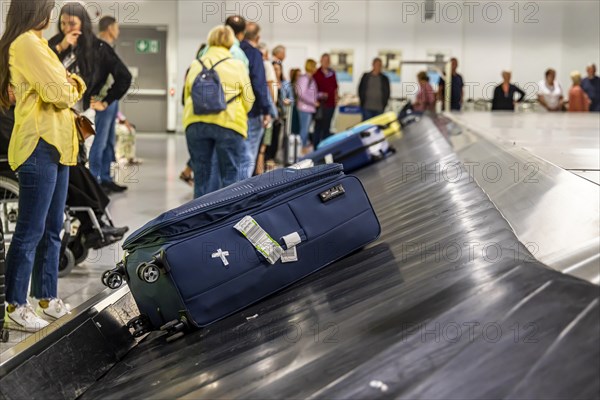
x=260, y=239
x=329, y=159
x=291, y=241
x=290, y=255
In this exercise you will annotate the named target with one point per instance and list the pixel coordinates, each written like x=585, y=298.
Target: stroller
x=88, y=224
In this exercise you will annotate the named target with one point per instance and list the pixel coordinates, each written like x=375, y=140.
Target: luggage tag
x=289, y=255
x=291, y=241
x=260, y=239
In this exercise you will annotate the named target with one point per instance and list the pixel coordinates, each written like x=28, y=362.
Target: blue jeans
x=256, y=132
x=368, y=114
x=214, y=181
x=305, y=120
x=35, y=245
x=203, y=141
x=102, y=153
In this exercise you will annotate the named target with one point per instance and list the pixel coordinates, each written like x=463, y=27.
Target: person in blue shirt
x=457, y=88
x=259, y=116
x=591, y=86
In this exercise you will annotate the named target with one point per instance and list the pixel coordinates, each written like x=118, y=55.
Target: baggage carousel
x=447, y=304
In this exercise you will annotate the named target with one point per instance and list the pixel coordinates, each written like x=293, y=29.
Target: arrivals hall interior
x=308, y=199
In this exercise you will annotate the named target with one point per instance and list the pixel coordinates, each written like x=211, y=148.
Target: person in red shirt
x=328, y=95
x=578, y=99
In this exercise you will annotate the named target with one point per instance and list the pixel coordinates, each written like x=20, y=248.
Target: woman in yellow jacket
x=43, y=144
x=223, y=133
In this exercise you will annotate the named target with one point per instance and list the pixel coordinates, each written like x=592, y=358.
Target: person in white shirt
x=269, y=72
x=550, y=93
x=273, y=91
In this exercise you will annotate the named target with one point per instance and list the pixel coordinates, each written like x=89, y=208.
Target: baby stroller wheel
x=4, y=335
x=67, y=263
x=105, y=277
x=80, y=251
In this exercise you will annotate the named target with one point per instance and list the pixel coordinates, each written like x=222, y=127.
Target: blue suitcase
x=344, y=135
x=218, y=254
x=354, y=149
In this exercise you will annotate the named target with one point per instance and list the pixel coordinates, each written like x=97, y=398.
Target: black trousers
x=323, y=125
x=271, y=151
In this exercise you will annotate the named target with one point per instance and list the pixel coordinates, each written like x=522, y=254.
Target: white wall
x=526, y=36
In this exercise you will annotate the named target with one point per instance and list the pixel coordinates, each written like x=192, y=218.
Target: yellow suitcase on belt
x=387, y=121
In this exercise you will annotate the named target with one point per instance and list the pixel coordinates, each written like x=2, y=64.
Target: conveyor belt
x=448, y=304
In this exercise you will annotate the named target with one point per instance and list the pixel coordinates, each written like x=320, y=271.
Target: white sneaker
x=56, y=309
x=24, y=318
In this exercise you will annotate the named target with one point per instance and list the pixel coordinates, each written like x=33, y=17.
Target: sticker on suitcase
x=260, y=239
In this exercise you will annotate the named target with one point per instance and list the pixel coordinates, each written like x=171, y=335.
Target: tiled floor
x=154, y=187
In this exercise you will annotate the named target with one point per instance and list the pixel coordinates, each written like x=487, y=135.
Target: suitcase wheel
x=149, y=273
x=140, y=325
x=3, y=336
x=113, y=280
x=175, y=329
x=174, y=337
x=169, y=325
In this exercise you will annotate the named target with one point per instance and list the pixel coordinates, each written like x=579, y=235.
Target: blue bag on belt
x=344, y=135
x=228, y=249
x=354, y=148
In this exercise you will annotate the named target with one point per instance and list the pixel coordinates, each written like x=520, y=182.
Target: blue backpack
x=208, y=96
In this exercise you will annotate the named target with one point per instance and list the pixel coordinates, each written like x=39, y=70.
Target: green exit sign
x=147, y=46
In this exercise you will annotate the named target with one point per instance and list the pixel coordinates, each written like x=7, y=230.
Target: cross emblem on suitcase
x=222, y=255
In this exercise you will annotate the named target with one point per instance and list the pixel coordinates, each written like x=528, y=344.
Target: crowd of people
x=313, y=97
x=246, y=137
x=583, y=96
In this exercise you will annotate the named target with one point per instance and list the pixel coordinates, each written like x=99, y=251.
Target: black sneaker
x=114, y=231
x=106, y=188
x=113, y=187
x=93, y=240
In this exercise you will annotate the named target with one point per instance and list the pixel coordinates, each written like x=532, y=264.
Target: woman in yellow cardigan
x=225, y=132
x=43, y=144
